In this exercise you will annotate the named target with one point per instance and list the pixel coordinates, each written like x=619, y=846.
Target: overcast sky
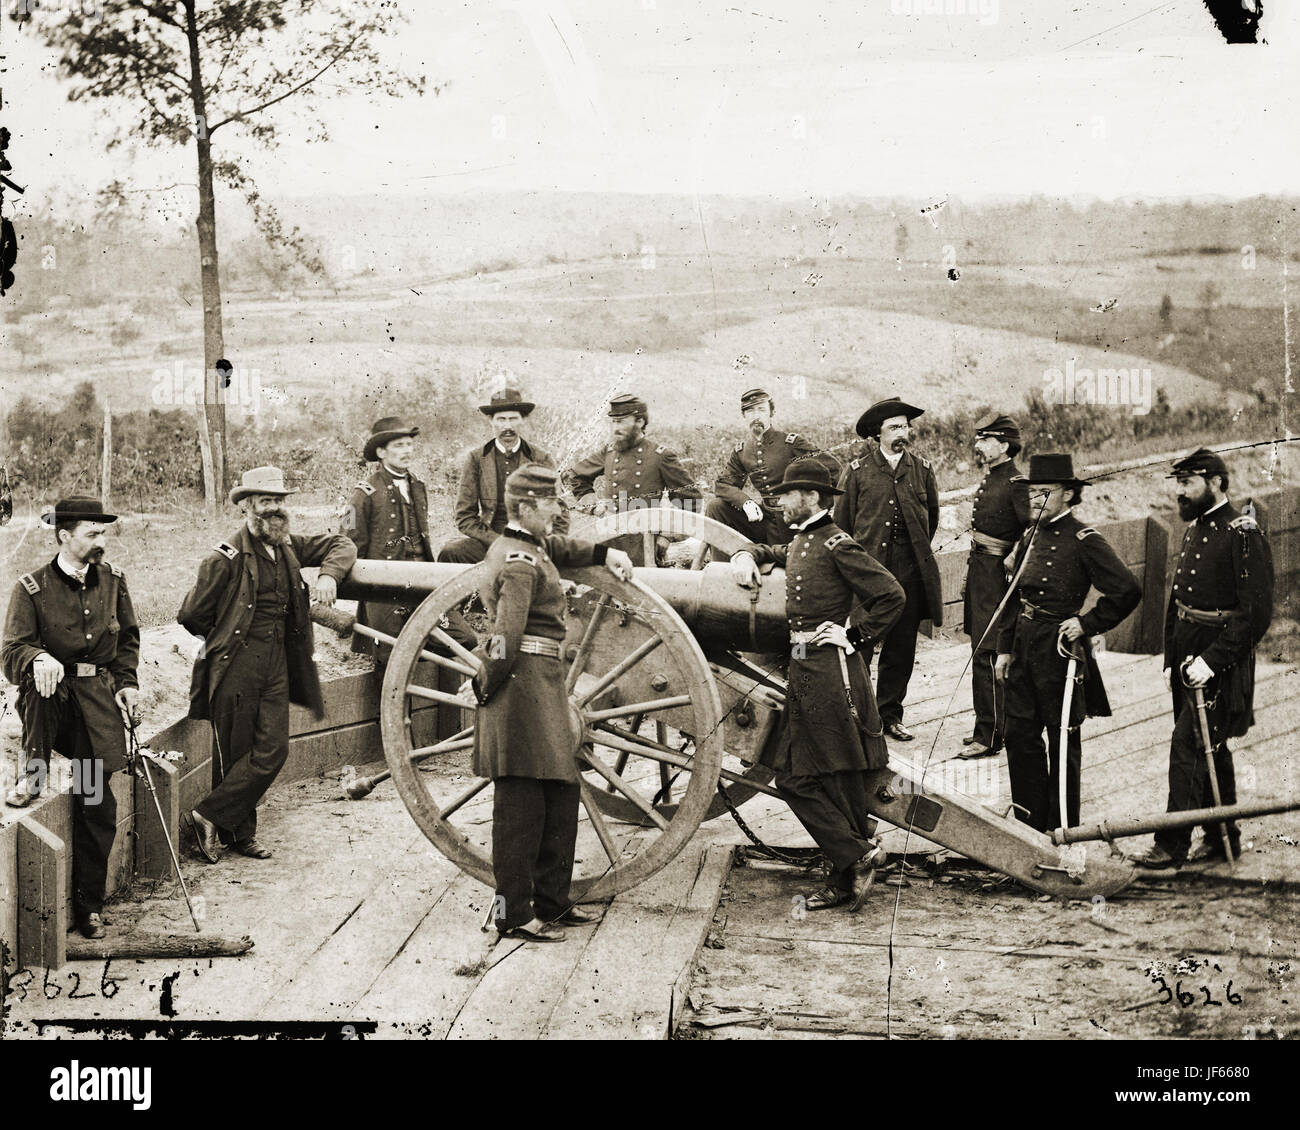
x=786, y=97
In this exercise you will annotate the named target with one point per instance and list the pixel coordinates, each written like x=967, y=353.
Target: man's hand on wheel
x=619, y=563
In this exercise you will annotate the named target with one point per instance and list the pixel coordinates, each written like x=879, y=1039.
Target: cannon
x=675, y=690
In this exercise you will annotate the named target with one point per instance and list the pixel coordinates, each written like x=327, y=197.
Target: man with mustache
x=481, y=503
x=71, y=646
x=250, y=607
x=1220, y=606
x=890, y=504
x=760, y=459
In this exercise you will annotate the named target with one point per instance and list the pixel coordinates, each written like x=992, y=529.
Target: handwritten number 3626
x=1186, y=999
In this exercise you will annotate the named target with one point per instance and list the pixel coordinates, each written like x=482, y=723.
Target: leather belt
x=1212, y=616
x=807, y=637
x=987, y=543
x=540, y=645
x=1033, y=612
x=82, y=670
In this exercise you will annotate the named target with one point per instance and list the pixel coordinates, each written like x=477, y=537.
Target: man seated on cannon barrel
x=839, y=600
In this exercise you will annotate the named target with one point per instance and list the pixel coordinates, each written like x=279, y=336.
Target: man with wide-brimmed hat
x=480, y=502
x=1220, y=606
x=759, y=460
x=1062, y=559
x=840, y=601
x=387, y=519
x=71, y=646
x=250, y=607
x=890, y=505
x=999, y=515
x=636, y=472
x=523, y=739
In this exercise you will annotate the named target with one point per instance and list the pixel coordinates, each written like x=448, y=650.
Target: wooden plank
x=121, y=858
x=9, y=896
x=152, y=860
x=43, y=884
x=1150, y=632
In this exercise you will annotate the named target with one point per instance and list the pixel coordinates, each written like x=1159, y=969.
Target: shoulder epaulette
x=660, y=449
x=115, y=570
x=365, y=488
x=835, y=539
x=30, y=584
x=1243, y=522
x=924, y=462
x=520, y=555
x=856, y=464
x=740, y=446
x=227, y=550
x=1083, y=533
x=792, y=437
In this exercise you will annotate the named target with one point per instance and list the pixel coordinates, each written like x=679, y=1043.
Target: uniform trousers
x=463, y=551
x=833, y=809
x=534, y=830
x=985, y=585
x=770, y=529
x=1189, y=777
x=898, y=649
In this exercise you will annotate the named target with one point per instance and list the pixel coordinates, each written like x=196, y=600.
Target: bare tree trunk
x=212, y=435
x=106, y=467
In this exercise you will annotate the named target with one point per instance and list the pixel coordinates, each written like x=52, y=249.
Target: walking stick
x=140, y=764
x=1202, y=715
x=1063, y=746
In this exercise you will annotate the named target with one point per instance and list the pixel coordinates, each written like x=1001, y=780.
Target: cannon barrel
x=719, y=613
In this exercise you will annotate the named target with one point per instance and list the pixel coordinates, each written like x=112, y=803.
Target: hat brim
x=238, y=494
x=523, y=407
x=51, y=518
x=380, y=439
x=803, y=484
x=868, y=426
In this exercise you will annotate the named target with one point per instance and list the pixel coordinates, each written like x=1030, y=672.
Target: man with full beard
x=1219, y=607
x=250, y=607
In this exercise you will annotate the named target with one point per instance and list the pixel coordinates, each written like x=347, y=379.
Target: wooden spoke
x=579, y=663
x=624, y=665
x=432, y=657
x=666, y=755
x=619, y=766
x=627, y=790
x=471, y=660
x=639, y=708
x=462, y=739
x=598, y=822
x=438, y=696
x=665, y=794
x=468, y=795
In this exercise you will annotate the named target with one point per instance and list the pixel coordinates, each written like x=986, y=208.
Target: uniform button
x=1193, y=572
x=87, y=635
x=87, y=611
x=1198, y=556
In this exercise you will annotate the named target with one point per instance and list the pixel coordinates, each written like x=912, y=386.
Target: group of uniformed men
x=860, y=577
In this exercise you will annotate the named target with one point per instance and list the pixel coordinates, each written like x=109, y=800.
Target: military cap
x=78, y=508
x=507, y=400
x=1202, y=462
x=384, y=431
x=999, y=426
x=532, y=480
x=754, y=396
x=870, y=420
x=806, y=474
x=1053, y=467
x=628, y=405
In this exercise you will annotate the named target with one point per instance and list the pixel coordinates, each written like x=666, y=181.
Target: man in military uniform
x=480, y=503
x=1065, y=558
x=636, y=472
x=387, y=519
x=250, y=607
x=832, y=733
x=522, y=738
x=1220, y=606
x=760, y=460
x=71, y=646
x=998, y=518
x=890, y=504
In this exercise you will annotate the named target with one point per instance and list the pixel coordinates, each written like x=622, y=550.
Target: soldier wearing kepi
x=636, y=471
x=71, y=646
x=481, y=503
x=387, y=519
x=839, y=601
x=1065, y=559
x=1220, y=606
x=998, y=518
x=890, y=505
x=760, y=460
x=250, y=607
x=523, y=738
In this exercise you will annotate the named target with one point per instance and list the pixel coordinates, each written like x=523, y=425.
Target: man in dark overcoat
x=1065, y=559
x=250, y=607
x=72, y=646
x=999, y=516
x=523, y=740
x=1220, y=606
x=839, y=601
x=890, y=505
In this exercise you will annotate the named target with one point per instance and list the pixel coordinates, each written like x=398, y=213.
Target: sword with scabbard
x=1072, y=654
x=1203, y=717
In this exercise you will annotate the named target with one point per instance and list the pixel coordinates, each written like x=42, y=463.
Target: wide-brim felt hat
x=1054, y=467
x=507, y=400
x=869, y=422
x=805, y=474
x=386, y=430
x=260, y=480
x=78, y=508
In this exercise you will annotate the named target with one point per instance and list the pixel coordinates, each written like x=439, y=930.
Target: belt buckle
x=86, y=670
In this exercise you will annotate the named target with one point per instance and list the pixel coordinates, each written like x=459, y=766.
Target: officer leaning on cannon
x=480, y=503
x=71, y=646
x=522, y=738
x=1065, y=559
x=839, y=601
x=1220, y=606
x=890, y=504
x=760, y=460
x=250, y=607
x=998, y=517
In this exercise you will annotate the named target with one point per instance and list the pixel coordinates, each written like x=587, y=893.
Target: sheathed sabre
x=1203, y=717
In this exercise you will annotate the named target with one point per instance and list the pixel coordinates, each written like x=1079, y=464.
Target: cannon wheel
x=613, y=859
x=712, y=535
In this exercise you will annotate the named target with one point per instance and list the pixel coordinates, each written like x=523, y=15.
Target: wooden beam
x=42, y=897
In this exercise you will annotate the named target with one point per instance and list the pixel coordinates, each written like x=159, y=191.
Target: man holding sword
x=71, y=646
